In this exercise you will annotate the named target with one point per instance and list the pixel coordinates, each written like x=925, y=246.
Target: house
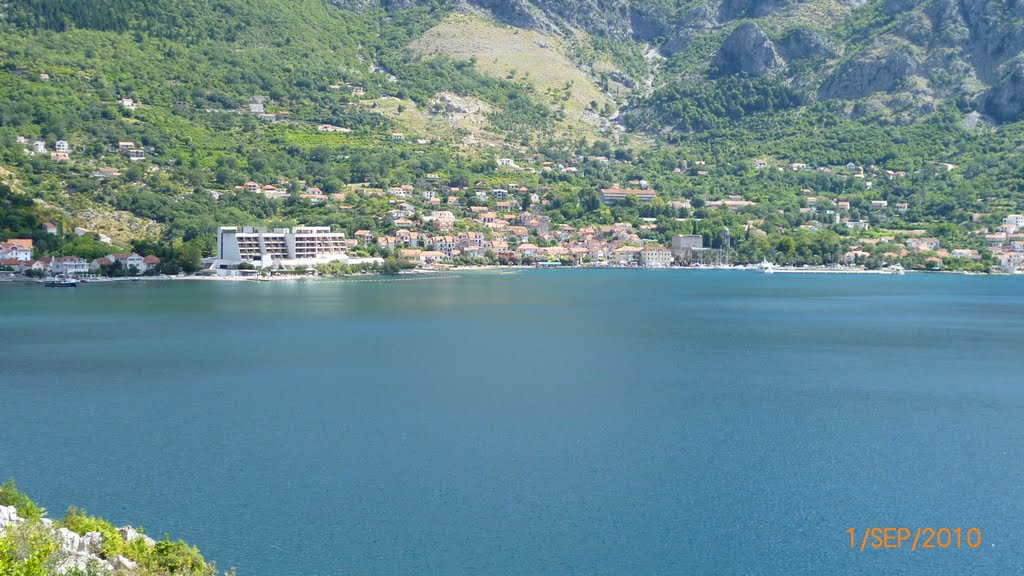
x=365, y=237
x=62, y=146
x=271, y=191
x=613, y=195
x=1011, y=261
x=496, y=246
x=128, y=261
x=60, y=156
x=104, y=173
x=136, y=154
x=627, y=254
x=521, y=233
x=69, y=265
x=923, y=244
x=125, y=146
x=16, y=249
x=428, y=257
x=446, y=244
x=39, y=146
x=471, y=239
x=654, y=256
x=50, y=228
x=902, y=207
x=397, y=137
x=127, y=103
x=151, y=263
x=387, y=243
x=527, y=250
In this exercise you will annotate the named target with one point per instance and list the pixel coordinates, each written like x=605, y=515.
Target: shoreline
x=450, y=272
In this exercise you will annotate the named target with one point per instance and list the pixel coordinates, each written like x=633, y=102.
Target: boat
x=766, y=267
x=61, y=282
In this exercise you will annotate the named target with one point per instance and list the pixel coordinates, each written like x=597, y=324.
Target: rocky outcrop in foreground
x=74, y=552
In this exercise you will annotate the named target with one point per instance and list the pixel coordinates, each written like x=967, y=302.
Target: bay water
x=538, y=422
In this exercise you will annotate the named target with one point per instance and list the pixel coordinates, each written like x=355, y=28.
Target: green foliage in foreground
x=26, y=551
x=11, y=496
x=30, y=549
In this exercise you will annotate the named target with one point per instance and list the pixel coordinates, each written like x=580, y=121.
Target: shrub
x=179, y=558
x=81, y=523
x=26, y=550
x=27, y=509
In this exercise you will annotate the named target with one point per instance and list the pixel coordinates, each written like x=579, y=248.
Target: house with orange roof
x=16, y=249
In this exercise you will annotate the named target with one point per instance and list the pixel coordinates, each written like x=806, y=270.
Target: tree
x=391, y=266
x=190, y=256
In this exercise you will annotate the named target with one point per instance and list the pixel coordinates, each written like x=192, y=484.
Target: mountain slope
x=907, y=55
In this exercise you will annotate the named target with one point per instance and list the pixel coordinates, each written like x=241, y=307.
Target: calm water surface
x=547, y=422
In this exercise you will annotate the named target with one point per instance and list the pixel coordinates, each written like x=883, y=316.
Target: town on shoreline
x=311, y=252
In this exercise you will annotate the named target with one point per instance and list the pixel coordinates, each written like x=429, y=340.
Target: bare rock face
x=736, y=9
x=1006, y=99
x=130, y=534
x=800, y=44
x=9, y=516
x=122, y=563
x=860, y=78
x=70, y=542
x=92, y=542
x=748, y=50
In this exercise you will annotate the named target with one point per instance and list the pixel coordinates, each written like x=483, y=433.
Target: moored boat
x=61, y=282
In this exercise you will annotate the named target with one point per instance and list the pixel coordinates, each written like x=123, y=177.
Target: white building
x=69, y=265
x=303, y=245
x=129, y=260
x=655, y=257
x=62, y=146
x=16, y=249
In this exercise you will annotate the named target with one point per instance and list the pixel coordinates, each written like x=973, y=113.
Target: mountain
x=907, y=55
x=348, y=98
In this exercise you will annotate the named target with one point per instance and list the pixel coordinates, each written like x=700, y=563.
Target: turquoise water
x=546, y=422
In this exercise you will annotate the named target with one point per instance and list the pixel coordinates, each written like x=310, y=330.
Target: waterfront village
x=431, y=226
x=429, y=235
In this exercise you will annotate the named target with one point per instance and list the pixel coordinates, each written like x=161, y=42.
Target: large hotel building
x=286, y=246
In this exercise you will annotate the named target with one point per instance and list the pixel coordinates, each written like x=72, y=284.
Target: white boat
x=61, y=282
x=766, y=267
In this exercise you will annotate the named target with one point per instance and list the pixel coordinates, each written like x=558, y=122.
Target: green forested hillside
x=695, y=134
